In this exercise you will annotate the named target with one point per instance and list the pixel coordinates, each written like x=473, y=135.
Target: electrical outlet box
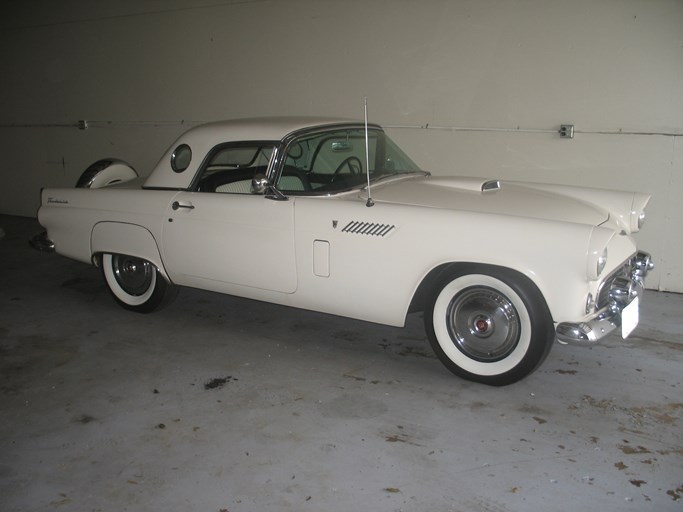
x=567, y=131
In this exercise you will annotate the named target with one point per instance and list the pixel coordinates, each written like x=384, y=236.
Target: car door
x=218, y=240
x=221, y=236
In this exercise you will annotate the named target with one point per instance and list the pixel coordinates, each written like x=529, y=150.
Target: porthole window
x=181, y=157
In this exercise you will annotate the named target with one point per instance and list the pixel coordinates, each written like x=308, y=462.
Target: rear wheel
x=136, y=284
x=488, y=324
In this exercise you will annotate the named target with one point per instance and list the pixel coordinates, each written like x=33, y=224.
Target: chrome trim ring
x=134, y=275
x=483, y=324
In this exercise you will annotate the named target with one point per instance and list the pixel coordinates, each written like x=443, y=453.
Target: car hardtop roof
x=262, y=128
x=202, y=138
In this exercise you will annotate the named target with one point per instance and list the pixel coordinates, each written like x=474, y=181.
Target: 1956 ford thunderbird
x=331, y=216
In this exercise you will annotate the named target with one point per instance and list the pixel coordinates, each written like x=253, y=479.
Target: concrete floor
x=223, y=404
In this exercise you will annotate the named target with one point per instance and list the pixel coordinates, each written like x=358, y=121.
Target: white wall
x=141, y=71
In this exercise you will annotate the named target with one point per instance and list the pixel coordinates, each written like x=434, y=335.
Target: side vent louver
x=368, y=228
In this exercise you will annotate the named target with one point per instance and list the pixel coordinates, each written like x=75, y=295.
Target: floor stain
x=218, y=382
x=30, y=358
x=631, y=450
x=637, y=483
x=603, y=404
x=477, y=405
x=84, y=285
x=415, y=352
x=639, y=342
x=676, y=494
x=85, y=419
x=353, y=406
x=61, y=502
x=347, y=335
x=677, y=451
x=659, y=413
x=400, y=438
x=360, y=379
x=530, y=409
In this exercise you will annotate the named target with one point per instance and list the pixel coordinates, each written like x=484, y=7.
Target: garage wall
x=467, y=87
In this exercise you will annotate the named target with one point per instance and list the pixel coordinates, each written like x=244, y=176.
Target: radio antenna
x=370, y=202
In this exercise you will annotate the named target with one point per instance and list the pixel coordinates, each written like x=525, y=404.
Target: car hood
x=502, y=198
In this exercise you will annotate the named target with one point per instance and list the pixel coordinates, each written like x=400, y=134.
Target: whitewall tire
x=488, y=324
x=136, y=284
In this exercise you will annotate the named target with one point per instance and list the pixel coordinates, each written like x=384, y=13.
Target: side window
x=230, y=167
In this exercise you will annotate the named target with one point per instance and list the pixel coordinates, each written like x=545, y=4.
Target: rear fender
x=124, y=238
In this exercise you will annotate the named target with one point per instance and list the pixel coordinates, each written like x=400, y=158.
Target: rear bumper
x=620, y=290
x=41, y=242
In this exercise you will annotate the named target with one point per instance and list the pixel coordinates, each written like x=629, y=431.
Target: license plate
x=629, y=318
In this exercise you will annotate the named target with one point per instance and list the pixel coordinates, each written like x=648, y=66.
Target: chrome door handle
x=177, y=205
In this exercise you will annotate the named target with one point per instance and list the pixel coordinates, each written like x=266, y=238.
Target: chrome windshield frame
x=278, y=158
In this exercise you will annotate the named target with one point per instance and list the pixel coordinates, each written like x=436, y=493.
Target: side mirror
x=259, y=183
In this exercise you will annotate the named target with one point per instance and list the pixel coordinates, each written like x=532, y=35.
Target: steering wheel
x=354, y=165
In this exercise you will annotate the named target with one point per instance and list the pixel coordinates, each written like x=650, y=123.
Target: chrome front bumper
x=619, y=290
x=42, y=243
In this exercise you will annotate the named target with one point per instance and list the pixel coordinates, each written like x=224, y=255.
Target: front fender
x=624, y=207
x=124, y=238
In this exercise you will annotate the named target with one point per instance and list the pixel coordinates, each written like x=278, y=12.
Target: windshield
x=335, y=160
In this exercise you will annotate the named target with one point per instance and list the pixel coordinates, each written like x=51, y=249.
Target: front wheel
x=136, y=284
x=488, y=324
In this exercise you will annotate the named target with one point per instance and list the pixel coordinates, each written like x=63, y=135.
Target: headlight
x=602, y=261
x=596, y=260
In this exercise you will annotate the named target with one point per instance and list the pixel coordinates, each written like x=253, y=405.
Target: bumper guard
x=622, y=288
x=41, y=242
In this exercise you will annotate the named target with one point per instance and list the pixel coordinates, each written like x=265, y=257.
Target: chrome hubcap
x=133, y=275
x=483, y=324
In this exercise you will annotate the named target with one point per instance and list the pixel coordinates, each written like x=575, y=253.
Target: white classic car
x=330, y=215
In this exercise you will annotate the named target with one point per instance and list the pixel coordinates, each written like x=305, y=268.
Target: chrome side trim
x=619, y=293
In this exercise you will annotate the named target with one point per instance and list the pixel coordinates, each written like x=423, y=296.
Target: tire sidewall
x=143, y=303
x=535, y=337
